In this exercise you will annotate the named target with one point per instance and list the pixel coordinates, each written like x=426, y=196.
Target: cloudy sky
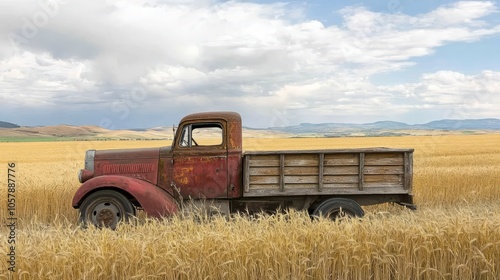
x=146, y=63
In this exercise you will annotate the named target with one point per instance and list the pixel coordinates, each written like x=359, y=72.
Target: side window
x=185, y=137
x=202, y=134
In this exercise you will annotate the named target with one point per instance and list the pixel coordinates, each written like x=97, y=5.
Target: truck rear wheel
x=336, y=208
x=106, y=209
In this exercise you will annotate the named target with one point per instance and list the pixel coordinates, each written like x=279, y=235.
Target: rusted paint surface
x=128, y=168
x=233, y=129
x=155, y=201
x=235, y=174
x=141, y=164
x=165, y=167
x=227, y=116
x=234, y=134
x=234, y=158
x=200, y=175
x=123, y=154
x=209, y=172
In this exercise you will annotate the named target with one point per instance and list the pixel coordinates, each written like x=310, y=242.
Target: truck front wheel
x=106, y=208
x=336, y=208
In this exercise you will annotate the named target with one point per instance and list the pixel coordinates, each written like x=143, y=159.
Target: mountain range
x=446, y=124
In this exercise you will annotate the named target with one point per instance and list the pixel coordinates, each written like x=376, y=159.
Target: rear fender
x=155, y=201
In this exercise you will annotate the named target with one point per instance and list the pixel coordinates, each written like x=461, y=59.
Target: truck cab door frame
x=200, y=169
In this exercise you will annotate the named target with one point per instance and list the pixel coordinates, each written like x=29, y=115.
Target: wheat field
x=455, y=233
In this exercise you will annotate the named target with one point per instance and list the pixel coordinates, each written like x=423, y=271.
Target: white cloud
x=464, y=12
x=256, y=58
x=37, y=80
x=453, y=95
x=446, y=87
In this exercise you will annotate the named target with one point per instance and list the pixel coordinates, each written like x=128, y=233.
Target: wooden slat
x=331, y=151
x=304, y=186
x=390, y=178
x=341, y=159
x=256, y=171
x=261, y=192
x=264, y=160
x=329, y=170
x=301, y=160
x=301, y=179
x=384, y=169
x=329, y=179
x=264, y=180
x=341, y=170
x=384, y=159
x=301, y=170
x=369, y=185
x=264, y=186
x=340, y=185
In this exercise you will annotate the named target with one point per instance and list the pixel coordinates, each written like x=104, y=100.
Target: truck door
x=200, y=160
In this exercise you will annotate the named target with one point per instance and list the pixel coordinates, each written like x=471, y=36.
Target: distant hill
x=489, y=124
x=8, y=125
x=70, y=132
x=383, y=126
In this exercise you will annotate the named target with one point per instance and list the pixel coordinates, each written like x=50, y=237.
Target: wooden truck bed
x=328, y=172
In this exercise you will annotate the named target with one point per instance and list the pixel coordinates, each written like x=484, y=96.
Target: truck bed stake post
x=320, y=173
x=282, y=172
x=408, y=171
x=246, y=178
x=361, y=170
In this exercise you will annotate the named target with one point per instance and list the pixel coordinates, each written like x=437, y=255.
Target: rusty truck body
x=206, y=162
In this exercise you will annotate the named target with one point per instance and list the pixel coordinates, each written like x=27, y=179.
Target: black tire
x=106, y=209
x=337, y=208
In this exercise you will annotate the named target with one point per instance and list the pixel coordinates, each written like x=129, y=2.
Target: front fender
x=155, y=201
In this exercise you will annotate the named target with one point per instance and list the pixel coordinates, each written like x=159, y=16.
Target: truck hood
x=135, y=163
x=125, y=154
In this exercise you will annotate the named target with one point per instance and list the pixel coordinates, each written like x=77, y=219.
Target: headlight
x=80, y=175
x=88, y=171
x=89, y=160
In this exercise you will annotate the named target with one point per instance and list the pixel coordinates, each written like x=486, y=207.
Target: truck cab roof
x=227, y=116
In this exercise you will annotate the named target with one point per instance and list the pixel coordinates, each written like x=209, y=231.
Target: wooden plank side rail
x=327, y=172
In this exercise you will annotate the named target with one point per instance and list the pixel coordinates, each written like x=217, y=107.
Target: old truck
x=205, y=162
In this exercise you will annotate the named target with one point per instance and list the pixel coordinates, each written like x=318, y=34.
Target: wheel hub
x=105, y=217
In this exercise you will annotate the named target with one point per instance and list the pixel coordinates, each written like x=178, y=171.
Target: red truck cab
x=204, y=162
x=205, y=159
